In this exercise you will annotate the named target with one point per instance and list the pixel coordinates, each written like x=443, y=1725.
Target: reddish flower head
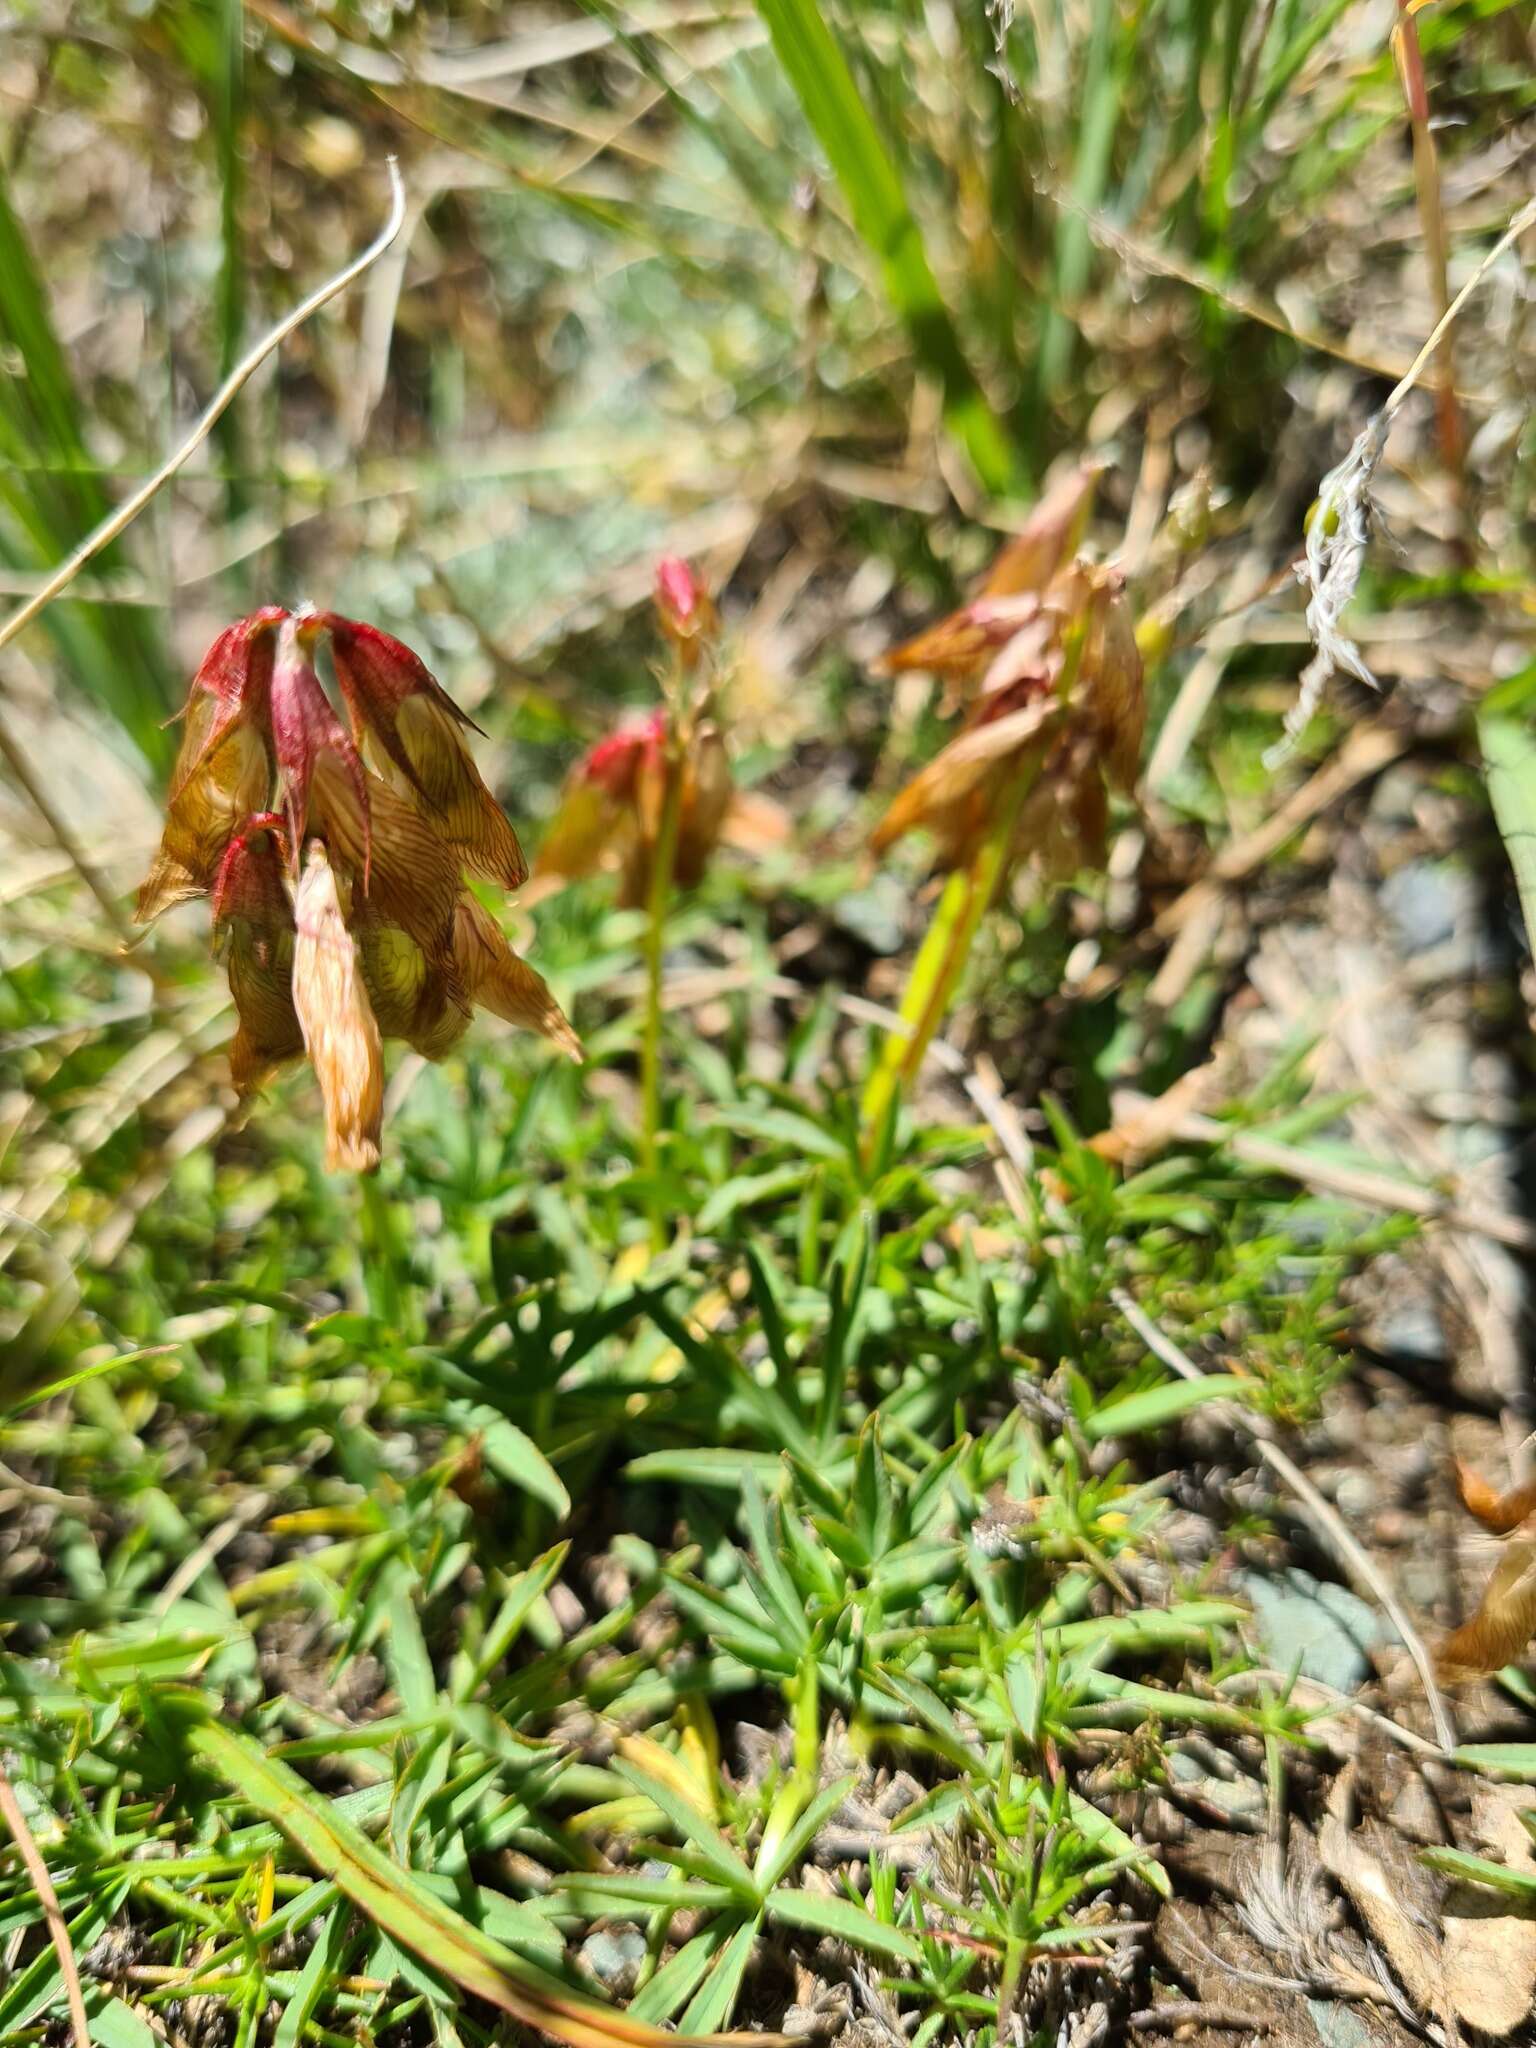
x=377, y=938
x=614, y=799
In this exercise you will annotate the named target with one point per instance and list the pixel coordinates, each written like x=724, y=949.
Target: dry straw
x=1340, y=531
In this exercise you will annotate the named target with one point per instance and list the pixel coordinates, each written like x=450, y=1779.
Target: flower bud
x=684, y=609
x=253, y=924
x=306, y=736
x=222, y=768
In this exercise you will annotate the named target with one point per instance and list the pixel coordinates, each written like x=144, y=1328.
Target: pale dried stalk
x=1341, y=520
x=53, y=1912
x=123, y=516
x=1325, y=1517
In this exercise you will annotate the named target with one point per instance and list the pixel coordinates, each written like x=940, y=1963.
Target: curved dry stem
x=53, y=1912
x=123, y=516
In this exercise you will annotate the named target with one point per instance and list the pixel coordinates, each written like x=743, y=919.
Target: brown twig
x=1368, y=1185
x=53, y=1912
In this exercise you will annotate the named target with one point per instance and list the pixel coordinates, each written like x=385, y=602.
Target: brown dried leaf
x=1387, y=1908
x=1504, y=1622
x=1500, y=1512
x=1490, y=1940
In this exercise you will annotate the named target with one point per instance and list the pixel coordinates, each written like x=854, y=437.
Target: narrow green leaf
x=713, y=2003
x=115, y=2024
x=321, y=1967
x=400, y=1906
x=716, y=1852
x=680, y=1976
x=1156, y=1407
x=513, y=1455
x=846, y=1922
x=819, y=72
x=1499, y=1877
x=1514, y=1759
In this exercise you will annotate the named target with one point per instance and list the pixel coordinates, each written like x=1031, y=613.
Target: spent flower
x=1046, y=665
x=335, y=858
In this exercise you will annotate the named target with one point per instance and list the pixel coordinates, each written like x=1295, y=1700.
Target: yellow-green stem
x=940, y=963
x=658, y=901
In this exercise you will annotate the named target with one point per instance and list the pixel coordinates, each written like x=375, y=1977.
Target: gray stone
x=614, y=1955
x=1324, y=1631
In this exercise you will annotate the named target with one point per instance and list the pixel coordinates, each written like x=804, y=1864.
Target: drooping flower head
x=1046, y=664
x=335, y=861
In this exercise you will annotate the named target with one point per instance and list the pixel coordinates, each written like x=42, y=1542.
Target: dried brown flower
x=1053, y=702
x=1505, y=1618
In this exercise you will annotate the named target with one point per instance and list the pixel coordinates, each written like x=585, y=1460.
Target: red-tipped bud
x=614, y=763
x=684, y=609
x=394, y=701
x=249, y=884
x=230, y=688
x=222, y=769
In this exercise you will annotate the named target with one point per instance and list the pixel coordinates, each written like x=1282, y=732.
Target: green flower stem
x=941, y=960
x=658, y=901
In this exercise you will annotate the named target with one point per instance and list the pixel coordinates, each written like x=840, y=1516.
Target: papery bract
x=341, y=1034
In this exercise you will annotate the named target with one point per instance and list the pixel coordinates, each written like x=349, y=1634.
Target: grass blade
x=871, y=182
x=401, y=1906
x=50, y=495
x=1156, y=1407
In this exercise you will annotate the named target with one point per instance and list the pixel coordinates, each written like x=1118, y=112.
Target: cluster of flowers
x=1045, y=665
x=335, y=854
x=336, y=862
